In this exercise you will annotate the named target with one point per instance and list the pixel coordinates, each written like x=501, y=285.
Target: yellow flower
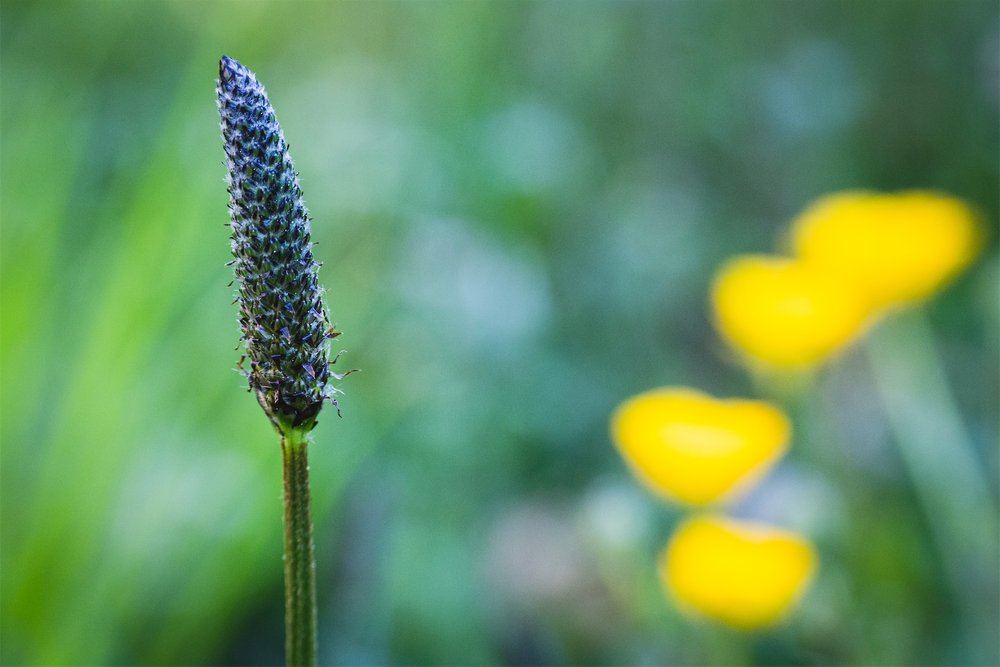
x=695, y=449
x=898, y=248
x=784, y=313
x=746, y=575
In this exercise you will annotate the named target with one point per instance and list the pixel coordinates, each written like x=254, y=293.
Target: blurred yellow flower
x=784, y=313
x=746, y=575
x=695, y=449
x=898, y=248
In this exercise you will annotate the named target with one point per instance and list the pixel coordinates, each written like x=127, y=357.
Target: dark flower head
x=284, y=321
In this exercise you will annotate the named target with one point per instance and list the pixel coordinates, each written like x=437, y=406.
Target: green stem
x=940, y=458
x=300, y=562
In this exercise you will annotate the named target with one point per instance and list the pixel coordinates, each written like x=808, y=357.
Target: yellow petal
x=695, y=449
x=747, y=575
x=785, y=313
x=898, y=248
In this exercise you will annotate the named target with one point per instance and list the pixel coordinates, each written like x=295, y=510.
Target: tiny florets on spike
x=282, y=315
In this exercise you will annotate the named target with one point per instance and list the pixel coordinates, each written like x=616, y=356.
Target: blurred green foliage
x=519, y=206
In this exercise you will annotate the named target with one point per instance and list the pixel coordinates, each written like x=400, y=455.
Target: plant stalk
x=300, y=560
x=941, y=459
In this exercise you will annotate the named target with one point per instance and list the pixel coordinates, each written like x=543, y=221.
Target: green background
x=519, y=207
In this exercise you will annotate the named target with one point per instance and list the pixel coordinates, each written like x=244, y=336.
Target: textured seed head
x=284, y=321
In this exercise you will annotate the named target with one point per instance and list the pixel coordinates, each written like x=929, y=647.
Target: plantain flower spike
x=284, y=321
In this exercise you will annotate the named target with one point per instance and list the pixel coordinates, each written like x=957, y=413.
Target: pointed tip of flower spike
x=228, y=67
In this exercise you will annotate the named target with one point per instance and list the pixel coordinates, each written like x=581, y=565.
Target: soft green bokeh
x=519, y=206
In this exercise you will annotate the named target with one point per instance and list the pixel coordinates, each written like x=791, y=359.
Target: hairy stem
x=300, y=562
